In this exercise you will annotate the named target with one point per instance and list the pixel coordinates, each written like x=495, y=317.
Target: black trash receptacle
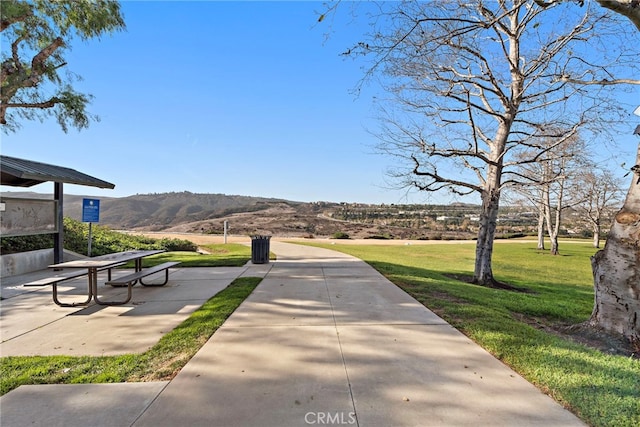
x=260, y=249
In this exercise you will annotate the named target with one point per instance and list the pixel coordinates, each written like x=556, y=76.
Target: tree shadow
x=495, y=284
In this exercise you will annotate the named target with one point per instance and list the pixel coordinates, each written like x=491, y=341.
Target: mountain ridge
x=245, y=215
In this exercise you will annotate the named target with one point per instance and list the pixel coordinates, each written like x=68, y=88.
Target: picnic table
x=93, y=265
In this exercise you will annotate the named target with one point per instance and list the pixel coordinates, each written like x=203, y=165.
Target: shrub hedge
x=104, y=241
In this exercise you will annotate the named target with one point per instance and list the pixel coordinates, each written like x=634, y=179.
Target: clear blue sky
x=223, y=97
x=219, y=97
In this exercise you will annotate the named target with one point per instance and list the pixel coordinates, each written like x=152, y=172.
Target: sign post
x=90, y=214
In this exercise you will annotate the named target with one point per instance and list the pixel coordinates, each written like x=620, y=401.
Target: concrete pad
x=179, y=290
x=77, y=405
x=99, y=330
x=102, y=331
x=370, y=312
x=375, y=300
x=256, y=270
x=10, y=286
x=410, y=375
x=296, y=272
x=292, y=253
x=205, y=273
x=280, y=301
x=266, y=377
x=11, y=291
x=41, y=311
x=360, y=270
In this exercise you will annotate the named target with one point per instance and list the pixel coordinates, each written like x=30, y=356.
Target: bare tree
x=534, y=195
x=561, y=194
x=553, y=187
x=599, y=192
x=478, y=88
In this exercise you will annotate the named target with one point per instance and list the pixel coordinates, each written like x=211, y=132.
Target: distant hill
x=206, y=213
x=186, y=212
x=160, y=210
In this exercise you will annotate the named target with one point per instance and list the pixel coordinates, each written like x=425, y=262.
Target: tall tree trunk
x=552, y=227
x=596, y=233
x=541, y=226
x=555, y=246
x=483, y=273
x=616, y=269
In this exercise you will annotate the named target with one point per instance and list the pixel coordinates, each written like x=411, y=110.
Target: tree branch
x=438, y=179
x=45, y=104
x=7, y=21
x=603, y=82
x=627, y=8
x=38, y=62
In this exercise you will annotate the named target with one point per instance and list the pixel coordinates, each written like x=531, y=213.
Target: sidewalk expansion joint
x=344, y=362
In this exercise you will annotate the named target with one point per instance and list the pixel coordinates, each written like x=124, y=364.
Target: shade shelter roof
x=27, y=173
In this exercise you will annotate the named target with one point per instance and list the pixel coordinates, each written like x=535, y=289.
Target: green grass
x=163, y=361
x=220, y=255
x=602, y=389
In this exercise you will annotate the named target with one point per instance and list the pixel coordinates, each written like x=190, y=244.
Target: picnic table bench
x=130, y=279
x=93, y=265
x=61, y=277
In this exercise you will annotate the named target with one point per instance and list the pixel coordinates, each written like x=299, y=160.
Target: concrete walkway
x=323, y=340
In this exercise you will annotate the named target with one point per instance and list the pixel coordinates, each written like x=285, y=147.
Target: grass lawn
x=517, y=327
x=219, y=255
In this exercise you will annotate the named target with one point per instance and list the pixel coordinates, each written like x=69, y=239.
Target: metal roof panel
x=26, y=173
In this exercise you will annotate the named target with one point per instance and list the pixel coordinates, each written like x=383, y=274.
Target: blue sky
x=219, y=97
x=223, y=97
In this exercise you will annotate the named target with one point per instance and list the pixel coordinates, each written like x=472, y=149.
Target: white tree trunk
x=616, y=270
x=596, y=234
x=552, y=227
x=483, y=273
x=555, y=246
x=541, y=213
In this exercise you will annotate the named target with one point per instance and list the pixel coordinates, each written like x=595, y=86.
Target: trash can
x=260, y=249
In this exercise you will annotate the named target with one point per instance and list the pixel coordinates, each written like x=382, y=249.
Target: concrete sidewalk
x=323, y=340
x=32, y=324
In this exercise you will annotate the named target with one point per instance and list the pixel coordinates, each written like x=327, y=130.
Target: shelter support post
x=58, y=237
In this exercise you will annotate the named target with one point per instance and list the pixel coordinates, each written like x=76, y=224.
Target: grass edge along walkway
x=161, y=362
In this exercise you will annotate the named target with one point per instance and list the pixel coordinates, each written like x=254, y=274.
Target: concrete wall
x=26, y=262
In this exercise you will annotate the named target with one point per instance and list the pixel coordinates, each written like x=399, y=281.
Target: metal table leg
x=93, y=278
x=73, y=304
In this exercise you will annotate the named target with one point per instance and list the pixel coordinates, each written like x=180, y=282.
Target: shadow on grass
x=496, y=284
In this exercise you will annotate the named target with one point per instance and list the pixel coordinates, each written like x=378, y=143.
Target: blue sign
x=90, y=210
